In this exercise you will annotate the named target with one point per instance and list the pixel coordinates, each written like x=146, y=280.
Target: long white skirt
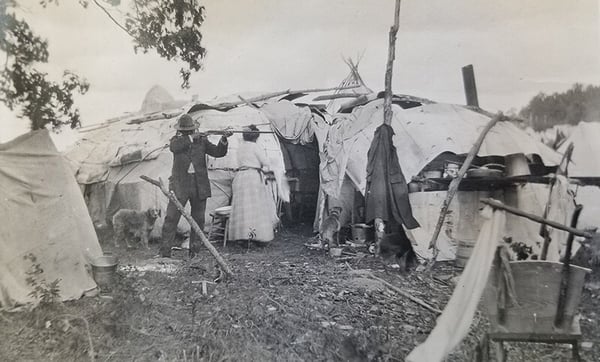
x=253, y=211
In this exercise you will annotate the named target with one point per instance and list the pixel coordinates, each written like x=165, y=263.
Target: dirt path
x=286, y=303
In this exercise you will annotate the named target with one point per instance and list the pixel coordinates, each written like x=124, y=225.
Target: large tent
x=586, y=163
x=45, y=224
x=424, y=130
x=110, y=159
x=585, y=160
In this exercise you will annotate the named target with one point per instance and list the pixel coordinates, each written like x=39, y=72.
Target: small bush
x=45, y=293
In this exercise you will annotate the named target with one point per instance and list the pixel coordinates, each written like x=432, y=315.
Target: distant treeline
x=571, y=107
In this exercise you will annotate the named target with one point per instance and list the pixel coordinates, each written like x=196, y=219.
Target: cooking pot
x=414, y=187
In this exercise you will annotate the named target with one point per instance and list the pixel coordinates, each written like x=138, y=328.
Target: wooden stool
x=219, y=223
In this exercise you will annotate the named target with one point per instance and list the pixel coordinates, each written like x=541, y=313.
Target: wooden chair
x=537, y=286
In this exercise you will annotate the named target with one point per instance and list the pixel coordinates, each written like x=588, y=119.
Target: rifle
x=221, y=132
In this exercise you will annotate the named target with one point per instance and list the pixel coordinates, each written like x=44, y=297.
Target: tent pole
x=387, y=106
x=387, y=101
x=267, y=96
x=453, y=188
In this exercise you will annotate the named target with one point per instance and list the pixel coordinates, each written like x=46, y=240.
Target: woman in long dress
x=253, y=211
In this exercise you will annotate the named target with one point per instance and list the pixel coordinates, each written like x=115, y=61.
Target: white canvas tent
x=423, y=131
x=586, y=162
x=109, y=160
x=43, y=215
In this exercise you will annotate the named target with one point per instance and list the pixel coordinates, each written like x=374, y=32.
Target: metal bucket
x=104, y=269
x=361, y=233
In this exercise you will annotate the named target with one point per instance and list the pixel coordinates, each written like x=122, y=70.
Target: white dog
x=134, y=224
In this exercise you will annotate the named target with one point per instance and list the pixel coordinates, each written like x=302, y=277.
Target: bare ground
x=286, y=303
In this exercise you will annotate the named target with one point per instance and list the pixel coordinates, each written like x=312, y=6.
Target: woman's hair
x=251, y=136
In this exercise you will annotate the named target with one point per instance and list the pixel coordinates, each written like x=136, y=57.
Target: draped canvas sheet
x=454, y=323
x=43, y=214
x=291, y=122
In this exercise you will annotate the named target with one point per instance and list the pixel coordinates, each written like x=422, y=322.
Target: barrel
x=468, y=224
x=464, y=249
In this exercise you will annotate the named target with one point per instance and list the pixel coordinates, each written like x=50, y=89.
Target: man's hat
x=186, y=123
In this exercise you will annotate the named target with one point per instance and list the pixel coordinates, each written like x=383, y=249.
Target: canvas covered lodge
x=109, y=160
x=428, y=137
x=319, y=157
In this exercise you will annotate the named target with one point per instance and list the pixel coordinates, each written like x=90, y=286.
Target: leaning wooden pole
x=456, y=182
x=267, y=96
x=192, y=222
x=565, y=273
x=403, y=293
x=387, y=101
x=513, y=210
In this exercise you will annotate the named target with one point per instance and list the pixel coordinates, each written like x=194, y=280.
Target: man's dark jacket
x=386, y=195
x=186, y=152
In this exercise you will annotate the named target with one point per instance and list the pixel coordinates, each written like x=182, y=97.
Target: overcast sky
x=518, y=48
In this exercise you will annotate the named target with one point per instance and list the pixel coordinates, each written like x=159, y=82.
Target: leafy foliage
x=577, y=104
x=22, y=87
x=171, y=27
x=46, y=293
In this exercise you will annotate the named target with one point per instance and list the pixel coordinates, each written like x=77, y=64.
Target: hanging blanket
x=386, y=195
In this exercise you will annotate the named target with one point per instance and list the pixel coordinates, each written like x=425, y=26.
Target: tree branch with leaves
x=23, y=87
x=169, y=27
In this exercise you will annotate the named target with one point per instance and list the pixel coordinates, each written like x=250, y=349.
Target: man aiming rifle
x=189, y=178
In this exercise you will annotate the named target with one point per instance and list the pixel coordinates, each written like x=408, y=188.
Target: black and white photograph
x=318, y=180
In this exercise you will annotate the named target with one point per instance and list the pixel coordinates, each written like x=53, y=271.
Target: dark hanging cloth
x=386, y=195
